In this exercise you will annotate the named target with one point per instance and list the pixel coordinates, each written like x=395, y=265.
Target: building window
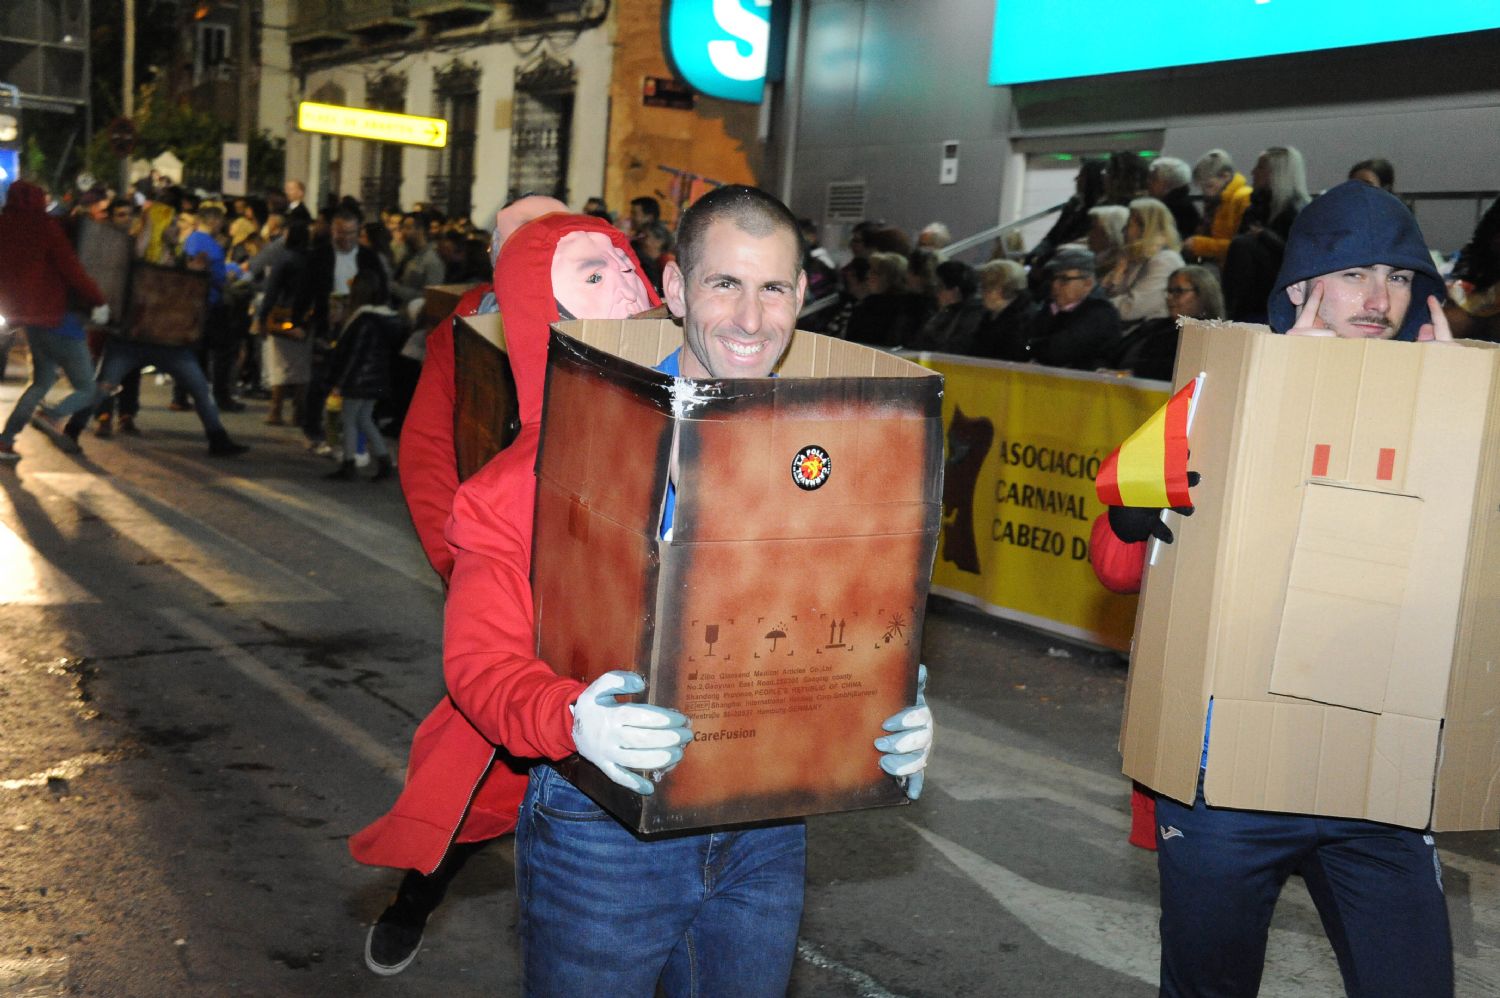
x=450, y=188
x=540, y=129
x=380, y=185
x=210, y=52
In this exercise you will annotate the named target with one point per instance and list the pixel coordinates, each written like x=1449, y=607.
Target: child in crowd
x=362, y=370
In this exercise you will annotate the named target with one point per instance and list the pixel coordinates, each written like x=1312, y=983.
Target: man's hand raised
x=1308, y=323
x=1437, y=330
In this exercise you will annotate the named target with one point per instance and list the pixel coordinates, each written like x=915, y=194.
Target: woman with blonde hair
x=1137, y=285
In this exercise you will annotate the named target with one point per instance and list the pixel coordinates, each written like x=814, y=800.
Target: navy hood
x=1355, y=225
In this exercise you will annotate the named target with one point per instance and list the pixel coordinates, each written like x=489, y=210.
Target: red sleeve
x=69, y=268
x=511, y=697
x=1118, y=565
x=429, y=464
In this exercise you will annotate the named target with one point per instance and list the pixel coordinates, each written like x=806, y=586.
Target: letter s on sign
x=748, y=28
x=724, y=48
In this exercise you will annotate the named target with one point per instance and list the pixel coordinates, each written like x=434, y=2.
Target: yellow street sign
x=363, y=123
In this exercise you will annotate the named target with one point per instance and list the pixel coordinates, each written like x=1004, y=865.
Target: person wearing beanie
x=1356, y=267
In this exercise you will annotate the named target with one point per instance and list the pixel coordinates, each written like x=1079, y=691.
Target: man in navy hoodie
x=1356, y=266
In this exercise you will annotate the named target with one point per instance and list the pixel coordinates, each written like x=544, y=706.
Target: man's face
x=345, y=234
x=413, y=234
x=293, y=191
x=1069, y=287
x=1360, y=302
x=739, y=305
x=99, y=211
x=638, y=218
x=592, y=278
x=120, y=217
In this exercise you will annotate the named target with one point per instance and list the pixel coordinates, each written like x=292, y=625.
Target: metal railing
x=995, y=232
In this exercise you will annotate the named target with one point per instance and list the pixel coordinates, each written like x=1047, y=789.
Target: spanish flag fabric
x=1150, y=467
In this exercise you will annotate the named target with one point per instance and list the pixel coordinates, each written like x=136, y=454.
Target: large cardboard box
x=1337, y=592
x=784, y=613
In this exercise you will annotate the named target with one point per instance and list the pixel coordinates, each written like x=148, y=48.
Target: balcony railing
x=452, y=13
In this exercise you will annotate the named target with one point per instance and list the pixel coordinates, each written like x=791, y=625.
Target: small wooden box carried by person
x=167, y=305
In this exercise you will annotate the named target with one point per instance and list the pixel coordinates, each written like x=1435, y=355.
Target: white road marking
x=867, y=985
x=37, y=977
x=31, y=580
x=397, y=550
x=68, y=769
x=231, y=570
x=352, y=735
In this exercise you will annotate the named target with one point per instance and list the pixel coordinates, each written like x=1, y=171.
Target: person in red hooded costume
x=461, y=790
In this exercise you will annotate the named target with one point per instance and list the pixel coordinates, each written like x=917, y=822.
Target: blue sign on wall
x=1032, y=42
x=10, y=169
x=723, y=48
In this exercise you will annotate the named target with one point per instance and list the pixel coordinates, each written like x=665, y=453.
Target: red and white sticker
x=811, y=467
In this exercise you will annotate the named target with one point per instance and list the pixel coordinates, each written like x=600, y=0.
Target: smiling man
x=737, y=283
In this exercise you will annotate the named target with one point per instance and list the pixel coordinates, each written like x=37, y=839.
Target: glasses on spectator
x=1173, y=292
x=1068, y=278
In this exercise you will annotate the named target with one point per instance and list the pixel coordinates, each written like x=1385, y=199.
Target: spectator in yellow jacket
x=1226, y=196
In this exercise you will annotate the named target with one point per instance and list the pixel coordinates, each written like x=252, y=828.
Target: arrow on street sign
x=364, y=123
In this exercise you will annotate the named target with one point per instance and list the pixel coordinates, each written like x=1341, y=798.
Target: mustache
x=1371, y=320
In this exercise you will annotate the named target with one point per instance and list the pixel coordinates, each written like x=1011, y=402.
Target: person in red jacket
x=38, y=271
x=429, y=480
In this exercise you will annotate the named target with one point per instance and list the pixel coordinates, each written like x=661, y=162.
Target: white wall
x=591, y=55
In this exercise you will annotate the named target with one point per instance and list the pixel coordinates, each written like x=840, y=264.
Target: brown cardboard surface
x=785, y=622
x=1330, y=592
x=486, y=414
x=168, y=305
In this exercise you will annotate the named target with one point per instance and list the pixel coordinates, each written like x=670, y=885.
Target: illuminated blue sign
x=1032, y=41
x=720, y=48
x=10, y=169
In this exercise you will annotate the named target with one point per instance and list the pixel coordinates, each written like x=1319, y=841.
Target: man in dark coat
x=1169, y=182
x=1078, y=327
x=331, y=266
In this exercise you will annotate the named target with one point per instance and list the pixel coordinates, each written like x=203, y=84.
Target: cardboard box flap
x=1346, y=597
x=1309, y=759
x=486, y=409
x=1468, y=789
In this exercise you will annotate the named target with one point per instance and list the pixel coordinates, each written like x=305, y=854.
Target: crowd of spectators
x=1142, y=244
x=1132, y=252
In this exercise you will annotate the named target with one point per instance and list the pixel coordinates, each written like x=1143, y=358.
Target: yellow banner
x=363, y=123
x=1023, y=446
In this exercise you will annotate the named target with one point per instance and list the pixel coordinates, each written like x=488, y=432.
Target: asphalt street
x=210, y=671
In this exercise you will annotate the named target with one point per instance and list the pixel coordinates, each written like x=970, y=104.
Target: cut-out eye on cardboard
x=811, y=467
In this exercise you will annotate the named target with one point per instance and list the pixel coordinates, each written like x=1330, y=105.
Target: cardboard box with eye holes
x=783, y=613
x=1337, y=591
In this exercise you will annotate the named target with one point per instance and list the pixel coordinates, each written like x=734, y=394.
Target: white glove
x=619, y=737
x=99, y=316
x=904, y=752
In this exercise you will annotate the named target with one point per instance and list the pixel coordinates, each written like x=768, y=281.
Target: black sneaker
x=391, y=946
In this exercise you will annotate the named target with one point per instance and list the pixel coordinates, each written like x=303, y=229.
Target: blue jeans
x=1377, y=888
x=359, y=417
x=52, y=350
x=605, y=912
x=123, y=356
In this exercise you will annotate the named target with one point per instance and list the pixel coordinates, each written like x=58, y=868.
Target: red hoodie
x=37, y=264
x=429, y=467
x=503, y=703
